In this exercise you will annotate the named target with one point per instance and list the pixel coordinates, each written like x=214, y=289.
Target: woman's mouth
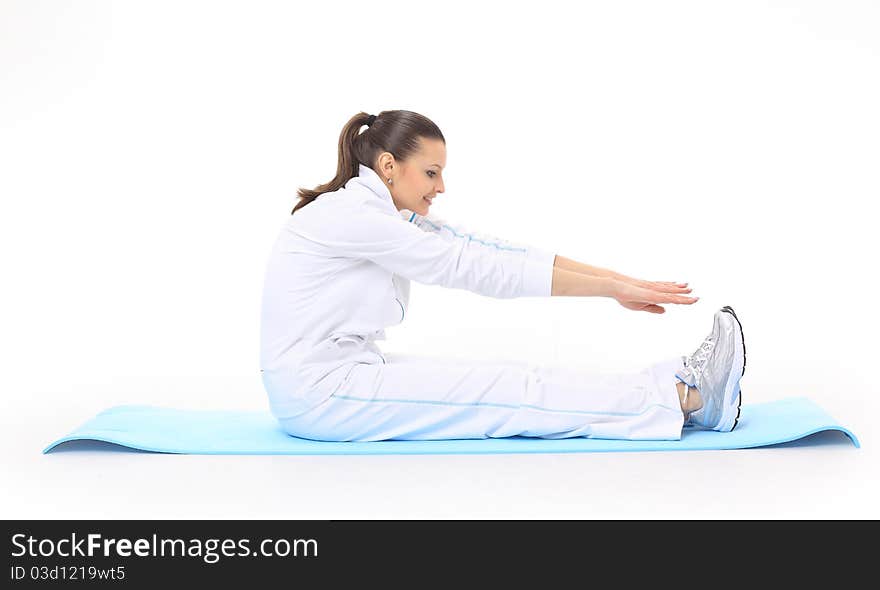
x=429, y=199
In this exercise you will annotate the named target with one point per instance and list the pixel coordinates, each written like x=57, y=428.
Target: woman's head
x=406, y=150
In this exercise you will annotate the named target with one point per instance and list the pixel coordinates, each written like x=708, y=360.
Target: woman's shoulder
x=337, y=212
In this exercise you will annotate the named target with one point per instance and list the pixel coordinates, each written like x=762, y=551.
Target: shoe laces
x=697, y=362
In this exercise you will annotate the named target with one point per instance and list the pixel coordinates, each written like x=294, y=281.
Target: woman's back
x=316, y=298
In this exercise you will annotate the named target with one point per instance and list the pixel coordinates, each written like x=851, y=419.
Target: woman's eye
x=431, y=173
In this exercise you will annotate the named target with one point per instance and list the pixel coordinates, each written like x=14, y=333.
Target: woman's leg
x=430, y=398
x=691, y=401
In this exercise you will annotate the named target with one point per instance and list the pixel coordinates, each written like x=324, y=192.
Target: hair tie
x=370, y=120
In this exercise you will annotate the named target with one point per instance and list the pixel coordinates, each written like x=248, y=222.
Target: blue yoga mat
x=229, y=432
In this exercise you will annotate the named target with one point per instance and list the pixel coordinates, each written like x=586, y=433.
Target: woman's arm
x=586, y=269
x=631, y=293
x=597, y=271
x=575, y=284
x=581, y=280
x=576, y=279
x=446, y=258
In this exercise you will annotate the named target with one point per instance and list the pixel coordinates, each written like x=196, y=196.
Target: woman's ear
x=385, y=164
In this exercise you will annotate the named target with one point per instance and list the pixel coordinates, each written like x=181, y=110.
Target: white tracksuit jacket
x=339, y=273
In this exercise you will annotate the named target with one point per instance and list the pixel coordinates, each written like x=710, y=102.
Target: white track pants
x=428, y=398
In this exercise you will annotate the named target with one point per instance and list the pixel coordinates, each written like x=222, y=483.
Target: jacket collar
x=368, y=178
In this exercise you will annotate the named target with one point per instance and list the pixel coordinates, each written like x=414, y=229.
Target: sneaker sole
x=745, y=356
x=729, y=309
x=732, y=388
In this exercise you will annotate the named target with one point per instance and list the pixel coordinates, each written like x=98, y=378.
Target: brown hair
x=396, y=132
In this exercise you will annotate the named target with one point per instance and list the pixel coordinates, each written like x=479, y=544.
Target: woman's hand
x=640, y=295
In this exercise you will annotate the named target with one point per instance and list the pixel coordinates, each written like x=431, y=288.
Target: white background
x=150, y=151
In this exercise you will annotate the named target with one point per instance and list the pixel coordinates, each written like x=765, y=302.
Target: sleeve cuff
x=537, y=278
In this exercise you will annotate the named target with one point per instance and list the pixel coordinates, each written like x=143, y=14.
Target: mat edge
x=853, y=439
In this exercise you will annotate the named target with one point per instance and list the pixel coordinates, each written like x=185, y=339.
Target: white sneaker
x=715, y=369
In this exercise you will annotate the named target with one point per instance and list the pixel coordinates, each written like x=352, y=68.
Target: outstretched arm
x=570, y=277
x=568, y=283
x=584, y=269
x=598, y=271
x=446, y=257
x=575, y=279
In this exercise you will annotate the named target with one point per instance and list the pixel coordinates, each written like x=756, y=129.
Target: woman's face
x=417, y=180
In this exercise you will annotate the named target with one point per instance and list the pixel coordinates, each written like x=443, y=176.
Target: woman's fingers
x=651, y=296
x=632, y=293
x=665, y=297
x=679, y=288
x=665, y=286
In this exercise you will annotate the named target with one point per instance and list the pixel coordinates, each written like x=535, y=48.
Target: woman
x=339, y=273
